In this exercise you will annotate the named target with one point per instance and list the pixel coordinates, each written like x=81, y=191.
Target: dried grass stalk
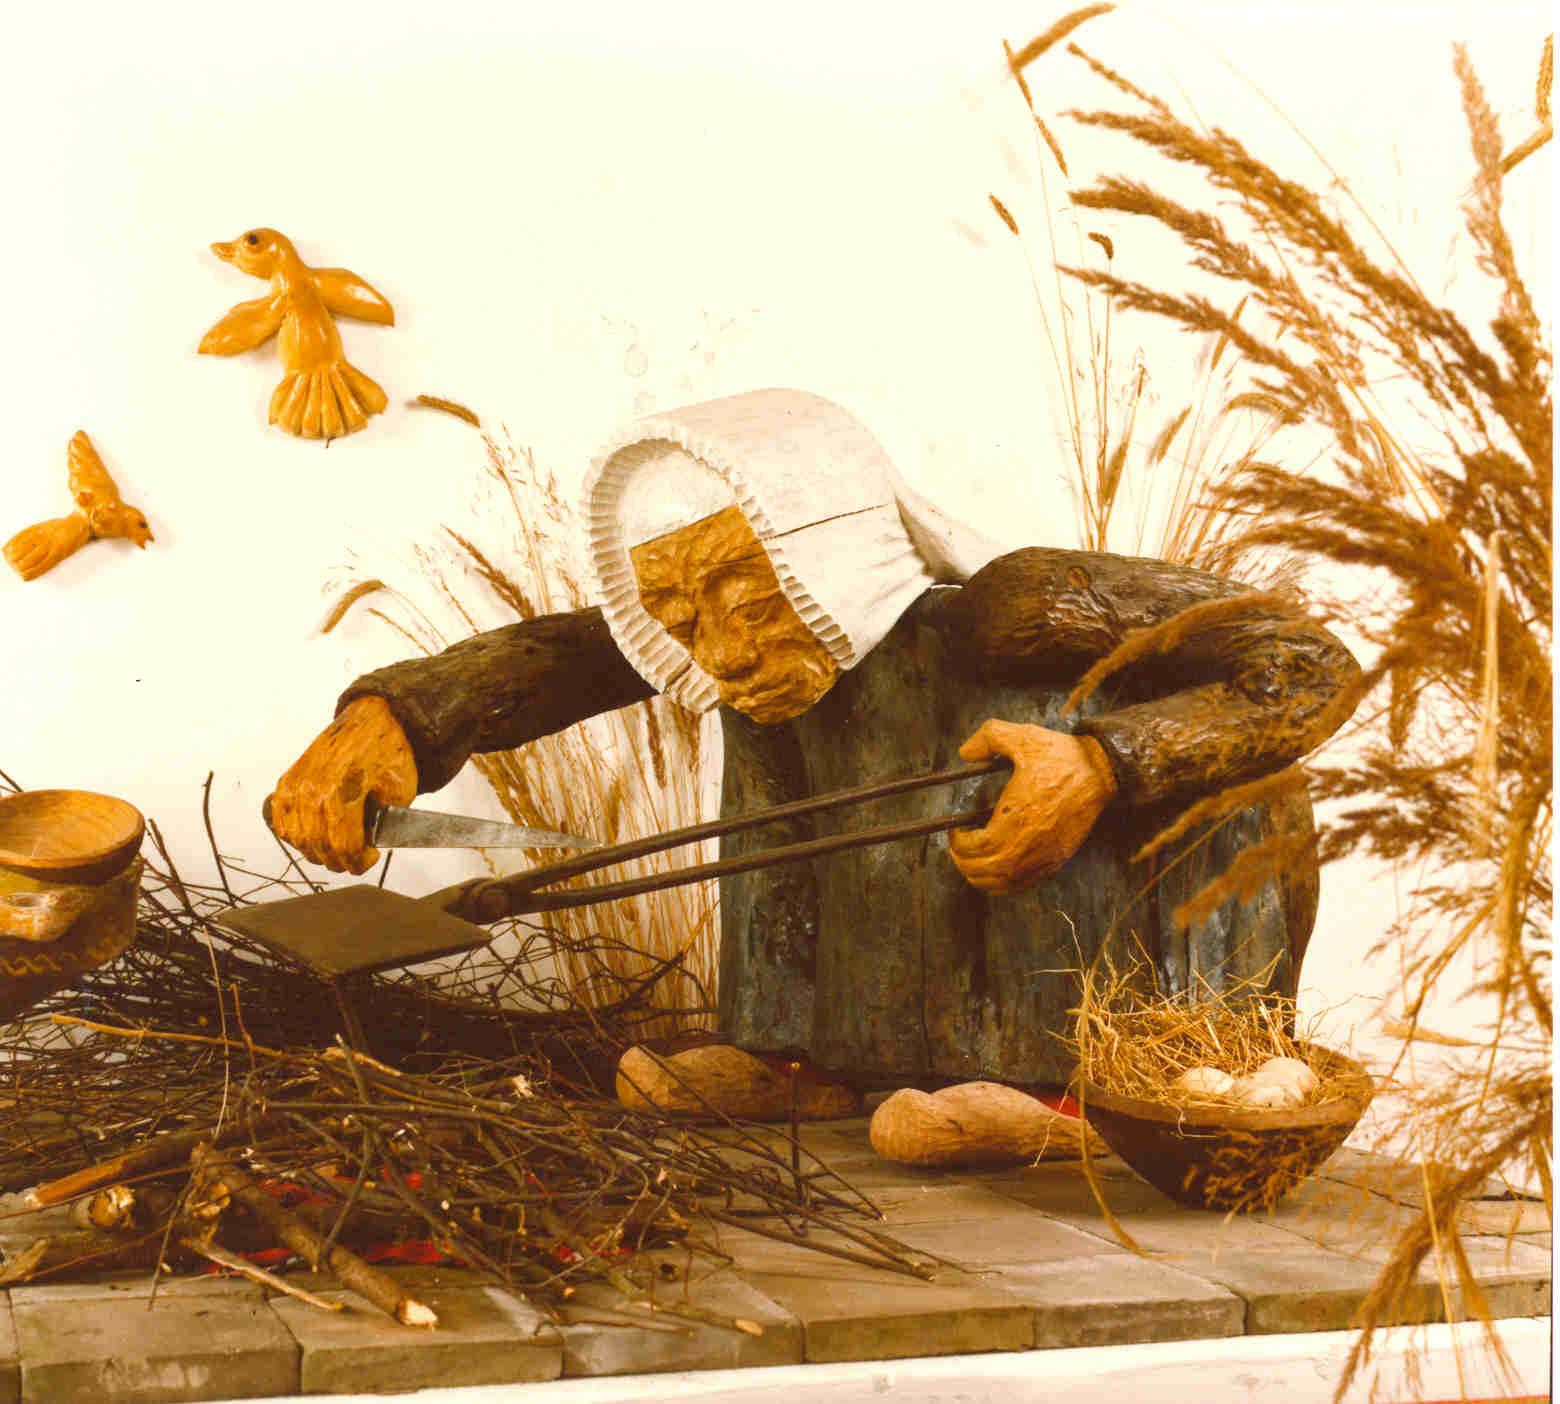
x=619, y=776
x=1427, y=447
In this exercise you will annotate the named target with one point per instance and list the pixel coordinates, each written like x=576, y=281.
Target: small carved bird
x=99, y=513
x=321, y=396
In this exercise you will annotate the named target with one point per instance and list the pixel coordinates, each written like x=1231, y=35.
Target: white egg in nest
x=1279, y=1082
x=1204, y=1084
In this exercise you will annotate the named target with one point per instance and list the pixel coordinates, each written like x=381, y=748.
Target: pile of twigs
x=187, y=972
x=334, y=1157
x=194, y=1102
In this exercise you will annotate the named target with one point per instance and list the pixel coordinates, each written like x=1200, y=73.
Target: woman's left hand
x=1060, y=783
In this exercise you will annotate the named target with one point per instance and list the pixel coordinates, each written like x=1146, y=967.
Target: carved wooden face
x=711, y=587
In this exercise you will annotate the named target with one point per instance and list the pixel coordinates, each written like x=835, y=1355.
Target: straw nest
x=1215, y=1102
x=1150, y=1048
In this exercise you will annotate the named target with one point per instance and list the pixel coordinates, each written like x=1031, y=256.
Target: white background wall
x=575, y=218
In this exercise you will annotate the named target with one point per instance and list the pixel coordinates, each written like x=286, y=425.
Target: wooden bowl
x=1220, y=1157
x=68, y=836
x=31, y=971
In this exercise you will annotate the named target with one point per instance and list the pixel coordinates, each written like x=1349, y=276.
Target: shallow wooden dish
x=68, y=836
x=1213, y=1157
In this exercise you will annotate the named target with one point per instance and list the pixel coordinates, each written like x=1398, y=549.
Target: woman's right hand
x=318, y=804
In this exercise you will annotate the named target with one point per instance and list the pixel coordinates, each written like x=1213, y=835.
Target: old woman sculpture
x=761, y=554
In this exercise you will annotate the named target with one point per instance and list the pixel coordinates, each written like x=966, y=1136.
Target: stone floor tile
x=1339, y=1216
x=1119, y=1299
x=931, y=1203
x=10, y=1366
x=644, y=1343
x=854, y=1312
x=866, y=1171
x=1156, y=1223
x=1308, y=1289
x=210, y=1340
x=753, y=1250
x=850, y=1313
x=1106, y=1167
x=139, y=1286
x=976, y=1243
x=1515, y=1277
x=485, y=1335
x=1064, y=1194
x=1503, y=1216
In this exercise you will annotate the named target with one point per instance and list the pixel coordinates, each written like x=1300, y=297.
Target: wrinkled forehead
x=723, y=541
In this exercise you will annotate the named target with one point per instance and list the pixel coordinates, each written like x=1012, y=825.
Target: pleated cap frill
x=851, y=545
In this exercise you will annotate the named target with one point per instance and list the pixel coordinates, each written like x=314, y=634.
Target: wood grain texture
x=882, y=964
x=502, y=689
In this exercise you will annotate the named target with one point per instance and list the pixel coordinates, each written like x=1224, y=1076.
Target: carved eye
x=251, y=238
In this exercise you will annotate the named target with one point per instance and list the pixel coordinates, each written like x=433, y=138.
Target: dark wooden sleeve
x=502, y=689
x=1229, y=703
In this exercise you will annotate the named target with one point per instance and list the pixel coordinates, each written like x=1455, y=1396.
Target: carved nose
x=727, y=651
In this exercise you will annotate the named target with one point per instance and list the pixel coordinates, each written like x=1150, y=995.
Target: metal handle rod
x=517, y=884
x=501, y=897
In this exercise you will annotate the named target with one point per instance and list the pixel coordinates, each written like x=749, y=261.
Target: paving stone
x=485, y=1336
x=987, y=1242
x=138, y=1286
x=1061, y=1191
x=932, y=1203
x=1119, y=1299
x=1398, y=1179
x=1503, y=1216
x=1515, y=1277
x=1339, y=1216
x=851, y=1312
x=1156, y=1223
x=1307, y=1289
x=861, y=1314
x=10, y=1366
x=867, y=1171
x=646, y=1343
x=420, y=1277
x=205, y=1339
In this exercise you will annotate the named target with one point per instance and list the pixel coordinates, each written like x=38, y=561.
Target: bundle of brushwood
x=194, y=1103
x=187, y=972
x=334, y=1158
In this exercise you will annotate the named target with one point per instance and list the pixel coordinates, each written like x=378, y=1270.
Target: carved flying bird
x=100, y=513
x=321, y=396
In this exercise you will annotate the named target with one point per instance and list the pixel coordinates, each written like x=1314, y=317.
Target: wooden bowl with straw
x=1227, y=1157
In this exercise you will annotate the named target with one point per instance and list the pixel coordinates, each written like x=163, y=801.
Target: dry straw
x=1415, y=452
x=627, y=774
x=1155, y=501
x=1137, y=1044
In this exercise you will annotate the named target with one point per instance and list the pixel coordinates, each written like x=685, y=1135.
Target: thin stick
x=438, y=402
x=379, y=1288
x=165, y=1150
x=70, y=1020
x=233, y=1263
x=205, y=814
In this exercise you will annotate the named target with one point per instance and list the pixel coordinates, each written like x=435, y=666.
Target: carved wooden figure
x=100, y=514
x=321, y=396
x=760, y=554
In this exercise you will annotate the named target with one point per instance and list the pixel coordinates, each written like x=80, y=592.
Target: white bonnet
x=852, y=546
